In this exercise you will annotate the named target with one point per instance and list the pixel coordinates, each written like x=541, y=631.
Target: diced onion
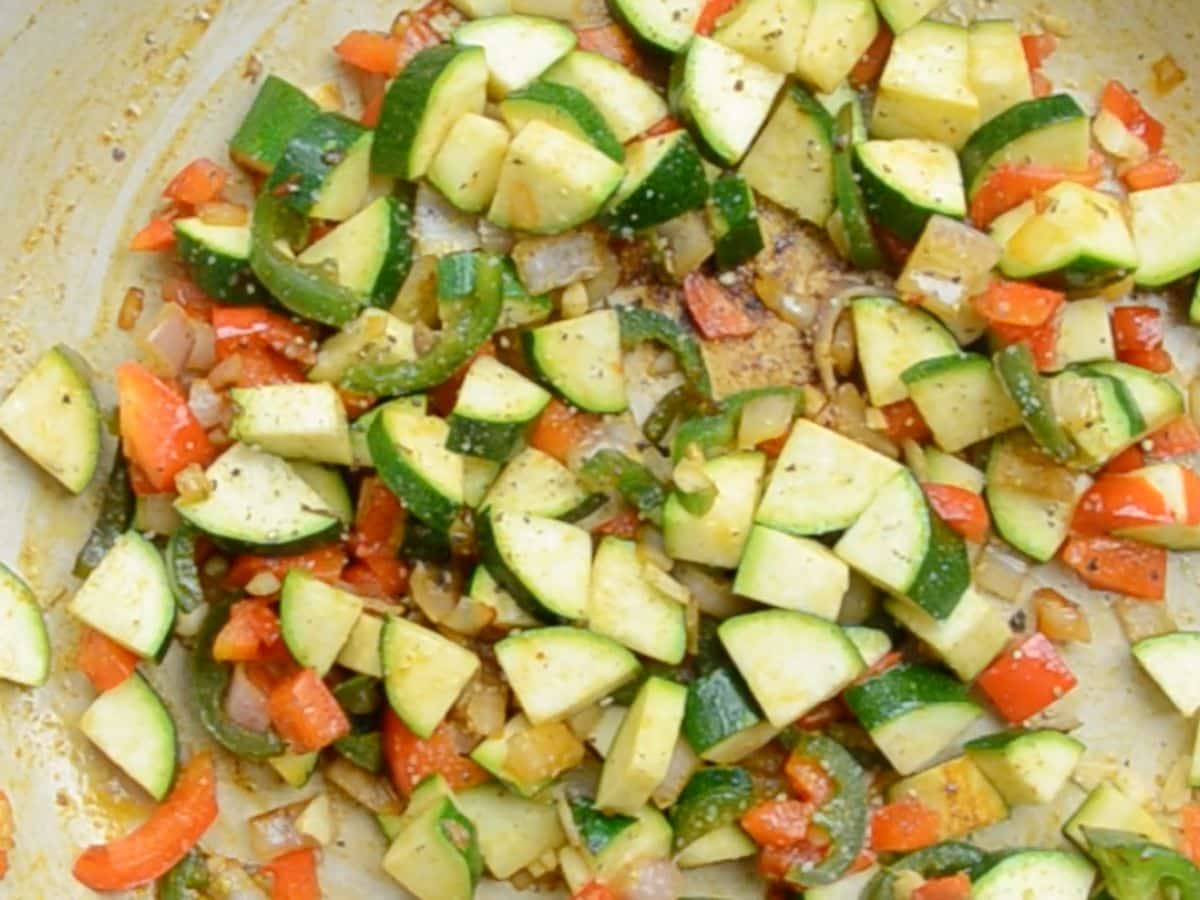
x=373, y=792
x=860, y=602
x=665, y=584
x=416, y=303
x=547, y=263
x=495, y=239
x=223, y=213
x=274, y=832
x=131, y=308
x=1030, y=471
x=1117, y=140
x=209, y=407
x=604, y=282
x=951, y=263
x=574, y=301
x=482, y=706
x=1141, y=619
x=1058, y=618
x=712, y=594
x=229, y=880
x=684, y=243
x=204, y=347
x=542, y=752
x=649, y=879
x=156, y=513
x=1001, y=572
x=168, y=342
x=246, y=702
x=765, y=418
x=469, y=617
x=192, y=484
x=434, y=591
x=263, y=584
x=683, y=763
x=226, y=373
x=849, y=417
x=439, y=227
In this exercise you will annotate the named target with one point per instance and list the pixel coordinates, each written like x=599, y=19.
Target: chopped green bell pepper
x=1137, y=869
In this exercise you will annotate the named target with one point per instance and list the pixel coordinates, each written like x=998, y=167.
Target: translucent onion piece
x=373, y=792
x=167, y=344
x=246, y=702
x=765, y=418
x=546, y=263
x=274, y=832
x=1117, y=140
x=1001, y=572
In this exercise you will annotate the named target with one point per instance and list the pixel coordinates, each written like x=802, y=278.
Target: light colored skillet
x=101, y=101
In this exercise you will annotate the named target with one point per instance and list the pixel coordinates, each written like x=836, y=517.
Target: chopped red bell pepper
x=715, y=312
x=1176, y=438
x=560, y=428
x=200, y=181
x=325, y=563
x=105, y=662
x=258, y=367
x=624, y=524
x=776, y=862
x=594, y=890
x=964, y=511
x=305, y=713
x=1042, y=340
x=370, y=51
x=808, y=780
x=665, y=125
x=613, y=42
x=251, y=634
x=1018, y=303
x=239, y=328
x=1190, y=825
x=950, y=887
x=778, y=823
x=294, y=876
x=1038, y=48
x=1026, y=678
x=712, y=11
x=381, y=577
x=1116, y=564
x=904, y=422
x=1138, y=333
x=903, y=826
x=1120, y=101
x=189, y=297
x=1119, y=501
x=159, y=432
x=412, y=759
x=871, y=64
x=1012, y=184
x=151, y=849
x=156, y=235
x=378, y=520
x=1157, y=171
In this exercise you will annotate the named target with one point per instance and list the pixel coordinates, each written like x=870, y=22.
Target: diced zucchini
x=52, y=417
x=1050, y=131
x=411, y=457
x=423, y=673
x=925, y=89
x=961, y=399
x=1034, y=520
x=316, y=619
x=892, y=337
x=1084, y=333
x=1026, y=766
x=1168, y=247
x=791, y=661
x=791, y=573
x=518, y=48
x=770, y=32
x=733, y=220
x=581, y=359
x=1108, y=807
x=624, y=606
x=494, y=405
x=556, y=672
x=838, y=34
x=437, y=87
x=24, y=642
x=360, y=428
x=478, y=9
x=628, y=104
x=902, y=15
x=999, y=71
x=1098, y=412
x=873, y=644
x=943, y=468
x=543, y=563
x=132, y=727
x=1017, y=371
x=371, y=252
x=641, y=751
x=492, y=754
x=360, y=653
x=551, y=181
x=648, y=837
x=1170, y=659
x=721, y=722
x=664, y=178
x=907, y=181
x=324, y=169
x=899, y=544
x=295, y=768
x=1155, y=397
x=218, y=259
x=849, y=887
x=668, y=24
x=791, y=162
x=296, y=421
x=912, y=713
x=258, y=500
x=436, y=854
x=850, y=226
x=726, y=95
x=565, y=108
x=967, y=641
x=279, y=110
x=1079, y=238
x=466, y=169
x=713, y=798
x=513, y=832
x=821, y=482
x=535, y=483
x=128, y=597
x=1048, y=874
x=958, y=792
x=717, y=537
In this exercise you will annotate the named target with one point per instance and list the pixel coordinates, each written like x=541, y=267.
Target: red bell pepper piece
x=251, y=634
x=151, y=849
x=200, y=181
x=1038, y=48
x=239, y=328
x=778, y=823
x=370, y=51
x=1190, y=822
x=715, y=313
x=904, y=422
x=613, y=42
x=1011, y=185
x=105, y=662
x=1157, y=171
x=1042, y=340
x=325, y=563
x=305, y=713
x=951, y=887
x=378, y=520
x=560, y=428
x=871, y=64
x=964, y=511
x=903, y=826
x=1018, y=303
x=1116, y=564
x=1119, y=501
x=712, y=11
x=624, y=524
x=381, y=577
x=1120, y=101
x=159, y=432
x=412, y=759
x=294, y=876
x=1174, y=439
x=156, y=235
x=1026, y=678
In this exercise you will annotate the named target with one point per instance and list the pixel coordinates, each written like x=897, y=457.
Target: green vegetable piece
x=1137, y=869
x=182, y=571
x=937, y=861
x=359, y=695
x=639, y=324
x=608, y=470
x=596, y=830
x=716, y=434
x=711, y=799
x=670, y=408
x=186, y=879
x=862, y=248
x=364, y=750
x=466, y=324
x=210, y=679
x=116, y=512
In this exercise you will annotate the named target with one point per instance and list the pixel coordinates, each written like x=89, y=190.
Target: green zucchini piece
x=565, y=108
x=861, y=248
x=1050, y=131
x=182, y=571
x=713, y=797
x=24, y=642
x=905, y=182
x=733, y=219
x=370, y=253
x=664, y=178
x=116, y=512
x=130, y=724
x=518, y=48
x=218, y=259
x=279, y=110
x=324, y=170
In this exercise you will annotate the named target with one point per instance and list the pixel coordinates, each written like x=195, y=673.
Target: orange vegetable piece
x=105, y=662
x=1115, y=564
x=1026, y=678
x=411, y=759
x=305, y=713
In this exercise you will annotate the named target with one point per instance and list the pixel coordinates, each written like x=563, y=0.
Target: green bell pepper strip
x=210, y=679
x=186, y=880
x=359, y=695
x=1137, y=869
x=862, y=248
x=716, y=434
x=116, y=512
x=940, y=860
x=596, y=829
x=466, y=323
x=607, y=470
x=182, y=571
x=712, y=798
x=364, y=750
x=671, y=407
x=639, y=324
x=311, y=292
x=843, y=816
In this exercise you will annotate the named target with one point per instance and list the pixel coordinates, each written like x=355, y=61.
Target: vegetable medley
x=618, y=443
